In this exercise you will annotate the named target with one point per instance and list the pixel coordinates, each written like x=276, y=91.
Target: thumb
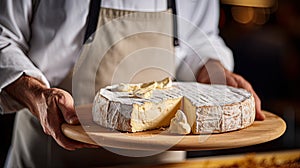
x=66, y=105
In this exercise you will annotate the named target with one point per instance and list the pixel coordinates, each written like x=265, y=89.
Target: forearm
x=51, y=106
x=212, y=72
x=15, y=36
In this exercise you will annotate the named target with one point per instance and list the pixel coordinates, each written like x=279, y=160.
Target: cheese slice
x=208, y=108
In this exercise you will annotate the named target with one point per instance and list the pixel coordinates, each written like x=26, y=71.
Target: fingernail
x=261, y=117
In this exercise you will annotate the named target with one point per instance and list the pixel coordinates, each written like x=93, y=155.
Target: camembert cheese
x=208, y=108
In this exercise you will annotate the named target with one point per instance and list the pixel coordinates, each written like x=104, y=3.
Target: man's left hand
x=214, y=72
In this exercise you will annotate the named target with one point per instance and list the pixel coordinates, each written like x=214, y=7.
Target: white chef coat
x=44, y=40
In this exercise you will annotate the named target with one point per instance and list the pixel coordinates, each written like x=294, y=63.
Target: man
x=39, y=45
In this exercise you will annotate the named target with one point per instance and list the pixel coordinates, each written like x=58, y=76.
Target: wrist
x=212, y=71
x=28, y=91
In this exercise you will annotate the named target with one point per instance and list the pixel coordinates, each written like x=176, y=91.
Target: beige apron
x=128, y=47
x=138, y=48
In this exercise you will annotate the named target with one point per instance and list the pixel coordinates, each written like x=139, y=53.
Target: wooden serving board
x=89, y=132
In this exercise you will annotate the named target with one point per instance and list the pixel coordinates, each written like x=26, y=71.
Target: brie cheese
x=208, y=108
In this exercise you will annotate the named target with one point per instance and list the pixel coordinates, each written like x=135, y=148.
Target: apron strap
x=92, y=20
x=172, y=4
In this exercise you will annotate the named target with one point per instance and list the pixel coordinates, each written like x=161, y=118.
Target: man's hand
x=214, y=72
x=51, y=106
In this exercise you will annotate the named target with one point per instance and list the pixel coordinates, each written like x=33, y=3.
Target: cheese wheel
x=208, y=108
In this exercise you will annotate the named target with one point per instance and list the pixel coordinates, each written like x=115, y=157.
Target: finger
x=203, y=77
x=230, y=81
x=53, y=120
x=70, y=144
x=66, y=105
x=204, y=80
x=49, y=116
x=259, y=114
x=242, y=83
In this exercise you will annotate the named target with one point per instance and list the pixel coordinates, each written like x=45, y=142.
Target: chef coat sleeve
x=15, y=19
x=199, y=38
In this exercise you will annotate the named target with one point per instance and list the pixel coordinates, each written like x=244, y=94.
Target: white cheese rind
x=217, y=119
x=209, y=108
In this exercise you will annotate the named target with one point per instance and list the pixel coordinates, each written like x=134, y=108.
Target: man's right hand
x=52, y=106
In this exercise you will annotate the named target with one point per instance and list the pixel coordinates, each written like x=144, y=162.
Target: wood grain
x=259, y=132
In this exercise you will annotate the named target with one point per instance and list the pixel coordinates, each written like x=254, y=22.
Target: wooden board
x=259, y=132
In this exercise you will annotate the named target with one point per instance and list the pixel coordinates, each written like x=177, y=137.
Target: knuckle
x=46, y=131
x=56, y=136
x=64, y=143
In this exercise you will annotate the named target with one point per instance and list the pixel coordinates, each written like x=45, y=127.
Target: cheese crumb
x=144, y=90
x=128, y=87
x=165, y=83
x=179, y=124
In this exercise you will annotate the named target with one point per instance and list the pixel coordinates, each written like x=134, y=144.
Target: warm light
x=251, y=11
x=261, y=16
x=246, y=15
x=251, y=3
x=242, y=14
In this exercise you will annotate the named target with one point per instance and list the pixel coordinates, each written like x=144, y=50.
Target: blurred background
x=264, y=36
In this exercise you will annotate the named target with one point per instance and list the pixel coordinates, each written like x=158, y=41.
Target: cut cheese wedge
x=208, y=108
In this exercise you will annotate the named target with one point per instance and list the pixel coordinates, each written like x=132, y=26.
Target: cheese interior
x=189, y=111
x=150, y=116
